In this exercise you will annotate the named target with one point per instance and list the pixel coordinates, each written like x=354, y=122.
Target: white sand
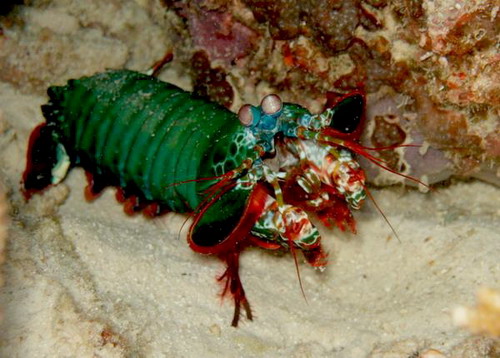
x=85, y=280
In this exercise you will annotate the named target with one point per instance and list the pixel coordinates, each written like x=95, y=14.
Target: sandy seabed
x=85, y=280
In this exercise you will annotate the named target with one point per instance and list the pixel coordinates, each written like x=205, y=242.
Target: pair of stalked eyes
x=270, y=105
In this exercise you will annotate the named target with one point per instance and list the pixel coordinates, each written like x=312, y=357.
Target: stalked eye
x=245, y=115
x=271, y=104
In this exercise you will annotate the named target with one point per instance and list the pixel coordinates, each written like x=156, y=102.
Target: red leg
x=130, y=205
x=152, y=210
x=233, y=285
x=95, y=186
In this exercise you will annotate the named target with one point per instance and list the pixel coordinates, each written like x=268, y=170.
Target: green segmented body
x=147, y=134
